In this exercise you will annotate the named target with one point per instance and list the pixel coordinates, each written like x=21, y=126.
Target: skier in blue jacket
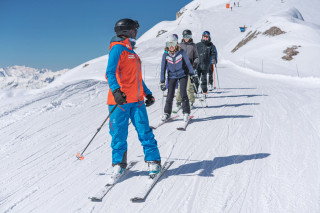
x=128, y=90
x=176, y=62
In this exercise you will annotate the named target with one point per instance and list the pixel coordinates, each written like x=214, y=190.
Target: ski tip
x=152, y=127
x=182, y=129
x=137, y=200
x=94, y=199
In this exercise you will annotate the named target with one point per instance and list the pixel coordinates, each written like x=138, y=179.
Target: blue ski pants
x=118, y=126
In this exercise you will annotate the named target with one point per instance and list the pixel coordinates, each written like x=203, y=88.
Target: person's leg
x=118, y=129
x=204, y=80
x=199, y=76
x=184, y=95
x=190, y=91
x=171, y=88
x=178, y=96
x=211, y=69
x=139, y=118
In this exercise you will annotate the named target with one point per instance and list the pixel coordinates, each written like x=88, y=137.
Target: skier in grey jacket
x=191, y=49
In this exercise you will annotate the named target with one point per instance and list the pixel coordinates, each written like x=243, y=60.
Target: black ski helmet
x=126, y=27
x=187, y=34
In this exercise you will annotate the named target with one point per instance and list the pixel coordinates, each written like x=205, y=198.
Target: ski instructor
x=127, y=89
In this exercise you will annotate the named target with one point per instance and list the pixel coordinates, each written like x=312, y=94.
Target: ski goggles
x=171, y=43
x=137, y=26
x=187, y=36
x=206, y=33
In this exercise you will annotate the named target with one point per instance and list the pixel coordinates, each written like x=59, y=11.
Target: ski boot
x=191, y=106
x=186, y=117
x=117, y=172
x=210, y=87
x=165, y=116
x=203, y=97
x=154, y=168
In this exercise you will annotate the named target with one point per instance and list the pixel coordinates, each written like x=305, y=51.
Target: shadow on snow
x=219, y=117
x=236, y=96
x=230, y=105
x=205, y=167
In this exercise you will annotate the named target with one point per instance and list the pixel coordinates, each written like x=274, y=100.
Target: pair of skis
x=142, y=195
x=163, y=122
x=182, y=126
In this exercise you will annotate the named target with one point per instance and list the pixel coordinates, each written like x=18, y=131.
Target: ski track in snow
x=255, y=148
x=233, y=152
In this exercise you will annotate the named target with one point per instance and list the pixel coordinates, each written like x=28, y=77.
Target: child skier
x=127, y=89
x=176, y=62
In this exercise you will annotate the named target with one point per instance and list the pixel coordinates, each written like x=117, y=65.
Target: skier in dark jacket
x=191, y=49
x=213, y=64
x=206, y=53
x=176, y=62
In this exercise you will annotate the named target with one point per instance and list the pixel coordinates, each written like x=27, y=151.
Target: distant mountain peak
x=23, y=77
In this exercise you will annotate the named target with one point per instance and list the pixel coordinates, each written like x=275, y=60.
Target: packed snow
x=255, y=148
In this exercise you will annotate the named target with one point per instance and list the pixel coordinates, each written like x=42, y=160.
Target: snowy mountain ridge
x=22, y=77
x=282, y=43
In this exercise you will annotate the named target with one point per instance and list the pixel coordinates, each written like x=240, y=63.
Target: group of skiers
x=179, y=62
x=184, y=63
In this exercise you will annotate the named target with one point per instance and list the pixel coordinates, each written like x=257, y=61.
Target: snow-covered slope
x=254, y=149
x=22, y=77
x=279, y=44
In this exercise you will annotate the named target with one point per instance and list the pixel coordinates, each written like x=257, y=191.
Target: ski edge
x=140, y=199
x=183, y=128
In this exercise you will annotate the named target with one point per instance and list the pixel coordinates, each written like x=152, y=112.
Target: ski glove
x=195, y=65
x=163, y=86
x=214, y=61
x=119, y=96
x=194, y=79
x=150, y=100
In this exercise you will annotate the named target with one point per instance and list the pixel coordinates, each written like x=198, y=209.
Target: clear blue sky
x=59, y=34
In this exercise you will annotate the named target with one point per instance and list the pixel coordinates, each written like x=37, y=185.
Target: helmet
x=171, y=40
x=126, y=27
x=206, y=33
x=187, y=34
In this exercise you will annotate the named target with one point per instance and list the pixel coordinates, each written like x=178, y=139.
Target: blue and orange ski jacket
x=124, y=71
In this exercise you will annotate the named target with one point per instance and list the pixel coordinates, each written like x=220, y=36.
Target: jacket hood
x=120, y=39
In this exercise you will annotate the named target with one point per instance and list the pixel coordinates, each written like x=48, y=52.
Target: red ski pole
x=80, y=156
